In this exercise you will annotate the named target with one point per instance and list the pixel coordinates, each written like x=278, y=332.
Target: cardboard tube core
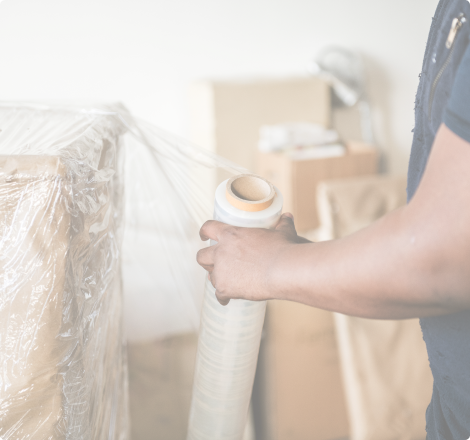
x=249, y=192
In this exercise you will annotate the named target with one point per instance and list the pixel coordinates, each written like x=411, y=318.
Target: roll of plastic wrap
x=229, y=336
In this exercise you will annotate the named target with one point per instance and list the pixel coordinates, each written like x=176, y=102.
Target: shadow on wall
x=348, y=122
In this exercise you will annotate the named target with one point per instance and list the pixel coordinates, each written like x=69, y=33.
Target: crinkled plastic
x=99, y=214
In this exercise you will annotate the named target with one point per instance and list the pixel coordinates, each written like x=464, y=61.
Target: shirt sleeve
x=457, y=113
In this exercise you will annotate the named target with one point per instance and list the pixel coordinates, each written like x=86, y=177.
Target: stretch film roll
x=229, y=336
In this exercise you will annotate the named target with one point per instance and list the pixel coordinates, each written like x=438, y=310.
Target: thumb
x=286, y=224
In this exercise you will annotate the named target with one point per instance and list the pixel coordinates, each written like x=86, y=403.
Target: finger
x=205, y=257
x=222, y=300
x=286, y=224
x=212, y=229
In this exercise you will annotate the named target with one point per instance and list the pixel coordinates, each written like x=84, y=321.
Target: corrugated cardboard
x=348, y=205
x=50, y=389
x=160, y=384
x=387, y=379
x=226, y=115
x=298, y=391
x=298, y=179
x=33, y=398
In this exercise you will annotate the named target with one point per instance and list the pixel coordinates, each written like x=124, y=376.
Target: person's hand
x=241, y=264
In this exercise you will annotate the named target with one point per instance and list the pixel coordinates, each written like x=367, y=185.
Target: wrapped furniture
x=97, y=210
x=61, y=343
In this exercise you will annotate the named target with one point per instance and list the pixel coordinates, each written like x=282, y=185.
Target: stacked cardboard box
x=298, y=179
x=226, y=116
x=298, y=392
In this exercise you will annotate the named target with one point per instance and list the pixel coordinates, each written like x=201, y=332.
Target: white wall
x=145, y=53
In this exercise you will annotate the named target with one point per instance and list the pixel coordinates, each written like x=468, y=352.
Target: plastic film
x=229, y=340
x=93, y=204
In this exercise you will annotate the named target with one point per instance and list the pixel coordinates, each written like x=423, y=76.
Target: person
x=413, y=262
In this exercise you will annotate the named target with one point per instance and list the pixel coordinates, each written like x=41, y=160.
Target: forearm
x=372, y=273
x=412, y=262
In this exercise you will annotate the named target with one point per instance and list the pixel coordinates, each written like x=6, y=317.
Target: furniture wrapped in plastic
x=81, y=189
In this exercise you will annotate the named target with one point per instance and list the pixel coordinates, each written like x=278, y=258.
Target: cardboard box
x=298, y=393
x=226, y=116
x=61, y=346
x=160, y=386
x=35, y=252
x=161, y=376
x=385, y=368
x=298, y=179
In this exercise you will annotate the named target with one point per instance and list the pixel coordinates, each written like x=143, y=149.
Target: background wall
x=145, y=53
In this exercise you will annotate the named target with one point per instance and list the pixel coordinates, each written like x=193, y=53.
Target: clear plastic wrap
x=82, y=190
x=229, y=341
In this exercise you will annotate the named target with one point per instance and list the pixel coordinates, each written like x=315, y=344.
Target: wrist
x=278, y=280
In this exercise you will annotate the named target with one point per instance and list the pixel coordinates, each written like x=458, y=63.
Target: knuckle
x=200, y=255
x=231, y=233
x=212, y=281
x=205, y=228
x=221, y=288
x=223, y=299
x=208, y=223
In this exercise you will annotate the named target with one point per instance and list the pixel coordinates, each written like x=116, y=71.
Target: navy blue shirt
x=444, y=97
x=457, y=113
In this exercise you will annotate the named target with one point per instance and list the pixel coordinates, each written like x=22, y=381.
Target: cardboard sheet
x=386, y=374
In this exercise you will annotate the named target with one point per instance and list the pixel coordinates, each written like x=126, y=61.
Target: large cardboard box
x=387, y=379
x=298, y=392
x=298, y=179
x=160, y=386
x=226, y=115
x=161, y=376
x=61, y=342
x=33, y=268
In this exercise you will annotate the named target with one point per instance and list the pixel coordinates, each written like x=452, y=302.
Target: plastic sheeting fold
x=82, y=188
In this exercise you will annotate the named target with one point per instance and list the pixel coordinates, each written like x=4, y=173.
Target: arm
x=413, y=262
